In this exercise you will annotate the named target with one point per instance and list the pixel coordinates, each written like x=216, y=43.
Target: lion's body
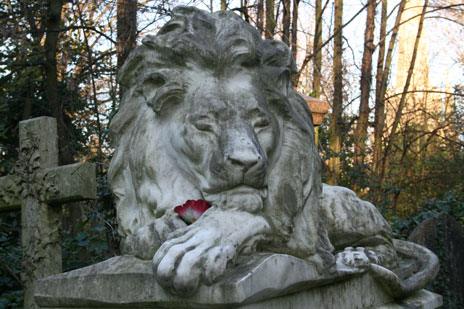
x=209, y=113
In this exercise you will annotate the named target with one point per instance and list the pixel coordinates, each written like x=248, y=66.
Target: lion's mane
x=219, y=42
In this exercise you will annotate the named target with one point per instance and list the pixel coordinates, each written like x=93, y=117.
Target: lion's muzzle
x=244, y=159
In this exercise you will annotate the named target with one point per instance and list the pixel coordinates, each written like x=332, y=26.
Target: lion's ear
x=160, y=89
x=278, y=61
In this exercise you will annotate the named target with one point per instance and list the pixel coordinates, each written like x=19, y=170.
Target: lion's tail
x=428, y=268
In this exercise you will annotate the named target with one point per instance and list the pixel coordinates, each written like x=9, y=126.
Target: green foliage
x=10, y=261
x=91, y=239
x=346, y=153
x=89, y=242
x=418, y=169
x=83, y=60
x=94, y=238
x=424, y=179
x=451, y=203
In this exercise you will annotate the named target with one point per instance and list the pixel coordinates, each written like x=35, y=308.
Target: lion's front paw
x=355, y=258
x=182, y=262
x=200, y=252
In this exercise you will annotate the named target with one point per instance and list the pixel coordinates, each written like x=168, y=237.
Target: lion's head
x=209, y=113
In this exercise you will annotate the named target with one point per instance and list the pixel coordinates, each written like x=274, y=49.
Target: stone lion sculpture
x=209, y=113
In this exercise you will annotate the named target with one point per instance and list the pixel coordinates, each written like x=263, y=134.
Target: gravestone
x=218, y=190
x=445, y=235
x=37, y=187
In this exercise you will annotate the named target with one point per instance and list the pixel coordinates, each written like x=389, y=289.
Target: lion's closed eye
x=204, y=124
x=258, y=118
x=261, y=122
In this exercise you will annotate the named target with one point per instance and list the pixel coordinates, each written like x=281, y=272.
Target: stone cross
x=38, y=186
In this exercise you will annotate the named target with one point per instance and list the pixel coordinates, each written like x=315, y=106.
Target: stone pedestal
x=265, y=281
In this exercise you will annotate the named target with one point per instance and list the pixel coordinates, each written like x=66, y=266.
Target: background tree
x=260, y=16
x=379, y=108
x=286, y=6
x=126, y=30
x=365, y=85
x=294, y=30
x=337, y=103
x=402, y=101
x=317, y=50
x=270, y=19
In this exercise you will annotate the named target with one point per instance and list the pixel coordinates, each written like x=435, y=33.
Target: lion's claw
x=353, y=259
x=201, y=251
x=181, y=264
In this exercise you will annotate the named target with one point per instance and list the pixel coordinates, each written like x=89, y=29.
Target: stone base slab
x=272, y=281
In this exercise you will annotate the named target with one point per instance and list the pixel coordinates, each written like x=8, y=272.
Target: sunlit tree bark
x=317, y=50
x=366, y=79
x=126, y=28
x=379, y=108
x=399, y=110
x=286, y=21
x=380, y=97
x=337, y=104
x=260, y=16
x=270, y=19
x=294, y=33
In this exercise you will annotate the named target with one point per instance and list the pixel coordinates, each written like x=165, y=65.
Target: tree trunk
x=294, y=33
x=379, y=109
x=244, y=10
x=380, y=93
x=337, y=105
x=223, y=5
x=260, y=16
x=270, y=19
x=52, y=29
x=317, y=50
x=399, y=110
x=366, y=79
x=94, y=93
x=126, y=27
x=286, y=22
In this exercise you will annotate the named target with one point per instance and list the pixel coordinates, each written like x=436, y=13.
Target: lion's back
x=348, y=218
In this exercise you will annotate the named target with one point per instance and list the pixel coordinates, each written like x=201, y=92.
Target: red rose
x=191, y=210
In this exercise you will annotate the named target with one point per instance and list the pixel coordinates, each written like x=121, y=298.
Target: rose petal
x=201, y=206
x=191, y=210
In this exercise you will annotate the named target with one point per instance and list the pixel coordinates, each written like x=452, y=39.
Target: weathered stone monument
x=445, y=235
x=219, y=195
x=38, y=186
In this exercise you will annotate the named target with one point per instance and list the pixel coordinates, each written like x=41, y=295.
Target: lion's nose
x=243, y=159
x=243, y=152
